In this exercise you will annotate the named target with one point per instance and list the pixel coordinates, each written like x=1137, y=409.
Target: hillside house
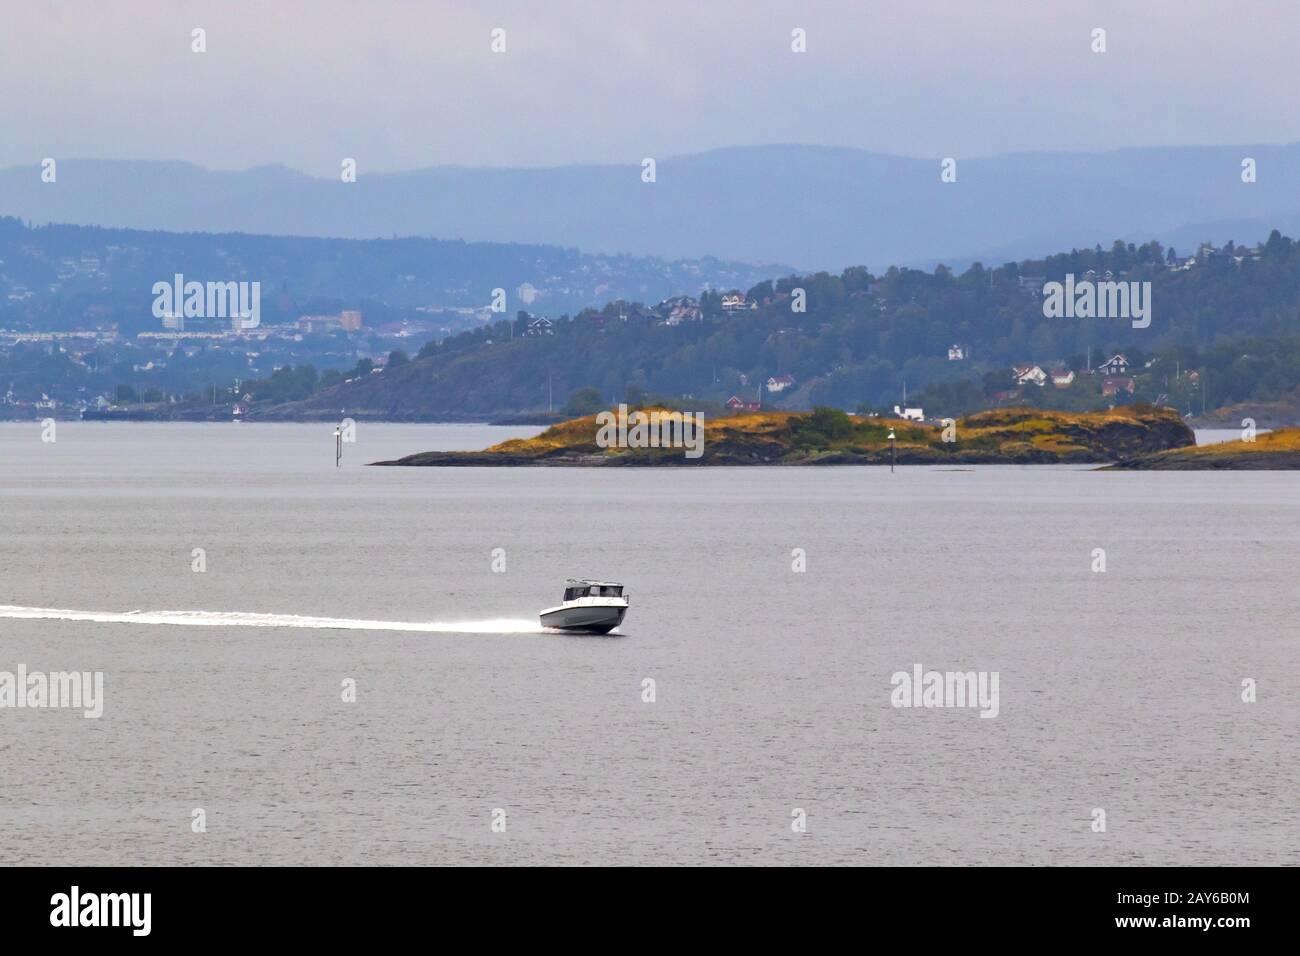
x=684, y=313
x=540, y=325
x=736, y=302
x=1029, y=375
x=1115, y=365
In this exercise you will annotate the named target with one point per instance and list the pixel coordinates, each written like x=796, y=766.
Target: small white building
x=956, y=353
x=909, y=414
x=736, y=302
x=1029, y=375
x=684, y=313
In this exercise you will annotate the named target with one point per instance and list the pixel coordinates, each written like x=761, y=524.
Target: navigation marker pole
x=338, y=445
x=893, y=453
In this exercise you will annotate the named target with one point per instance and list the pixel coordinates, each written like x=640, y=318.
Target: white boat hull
x=596, y=617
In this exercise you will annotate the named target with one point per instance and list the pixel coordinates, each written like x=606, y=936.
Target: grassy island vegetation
x=829, y=436
x=1274, y=451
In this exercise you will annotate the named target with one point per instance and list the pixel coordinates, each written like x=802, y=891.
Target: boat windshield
x=592, y=590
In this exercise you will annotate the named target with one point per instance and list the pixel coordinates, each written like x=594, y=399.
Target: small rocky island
x=827, y=436
x=1274, y=451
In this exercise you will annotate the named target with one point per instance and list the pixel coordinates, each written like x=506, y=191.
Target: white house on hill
x=540, y=325
x=737, y=303
x=1029, y=375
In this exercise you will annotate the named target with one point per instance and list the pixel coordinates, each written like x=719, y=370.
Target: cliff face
x=1005, y=436
x=1275, y=451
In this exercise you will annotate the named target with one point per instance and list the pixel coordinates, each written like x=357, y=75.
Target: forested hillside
x=1225, y=328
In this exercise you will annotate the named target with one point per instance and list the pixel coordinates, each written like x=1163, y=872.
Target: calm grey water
x=1215, y=436
x=1118, y=690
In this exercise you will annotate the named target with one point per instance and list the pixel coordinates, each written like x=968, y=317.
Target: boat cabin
x=582, y=589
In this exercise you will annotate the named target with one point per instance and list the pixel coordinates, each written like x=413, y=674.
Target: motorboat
x=592, y=607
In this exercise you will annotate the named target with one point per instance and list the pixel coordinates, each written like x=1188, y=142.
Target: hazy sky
x=399, y=84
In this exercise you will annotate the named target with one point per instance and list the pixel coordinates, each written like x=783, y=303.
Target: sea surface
x=1215, y=436
x=1119, y=691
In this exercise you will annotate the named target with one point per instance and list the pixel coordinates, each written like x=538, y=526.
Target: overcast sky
x=399, y=85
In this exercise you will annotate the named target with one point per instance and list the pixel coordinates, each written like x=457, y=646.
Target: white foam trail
x=251, y=619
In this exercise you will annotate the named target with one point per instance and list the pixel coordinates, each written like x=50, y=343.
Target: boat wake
x=251, y=619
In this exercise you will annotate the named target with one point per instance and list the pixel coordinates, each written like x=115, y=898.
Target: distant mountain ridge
x=812, y=207
x=49, y=274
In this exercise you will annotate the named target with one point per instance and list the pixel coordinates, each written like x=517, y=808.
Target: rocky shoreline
x=1274, y=451
x=1020, y=436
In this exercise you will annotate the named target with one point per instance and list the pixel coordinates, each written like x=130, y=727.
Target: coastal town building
x=1029, y=375
x=1116, y=365
x=736, y=302
x=346, y=321
x=779, y=383
x=673, y=311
